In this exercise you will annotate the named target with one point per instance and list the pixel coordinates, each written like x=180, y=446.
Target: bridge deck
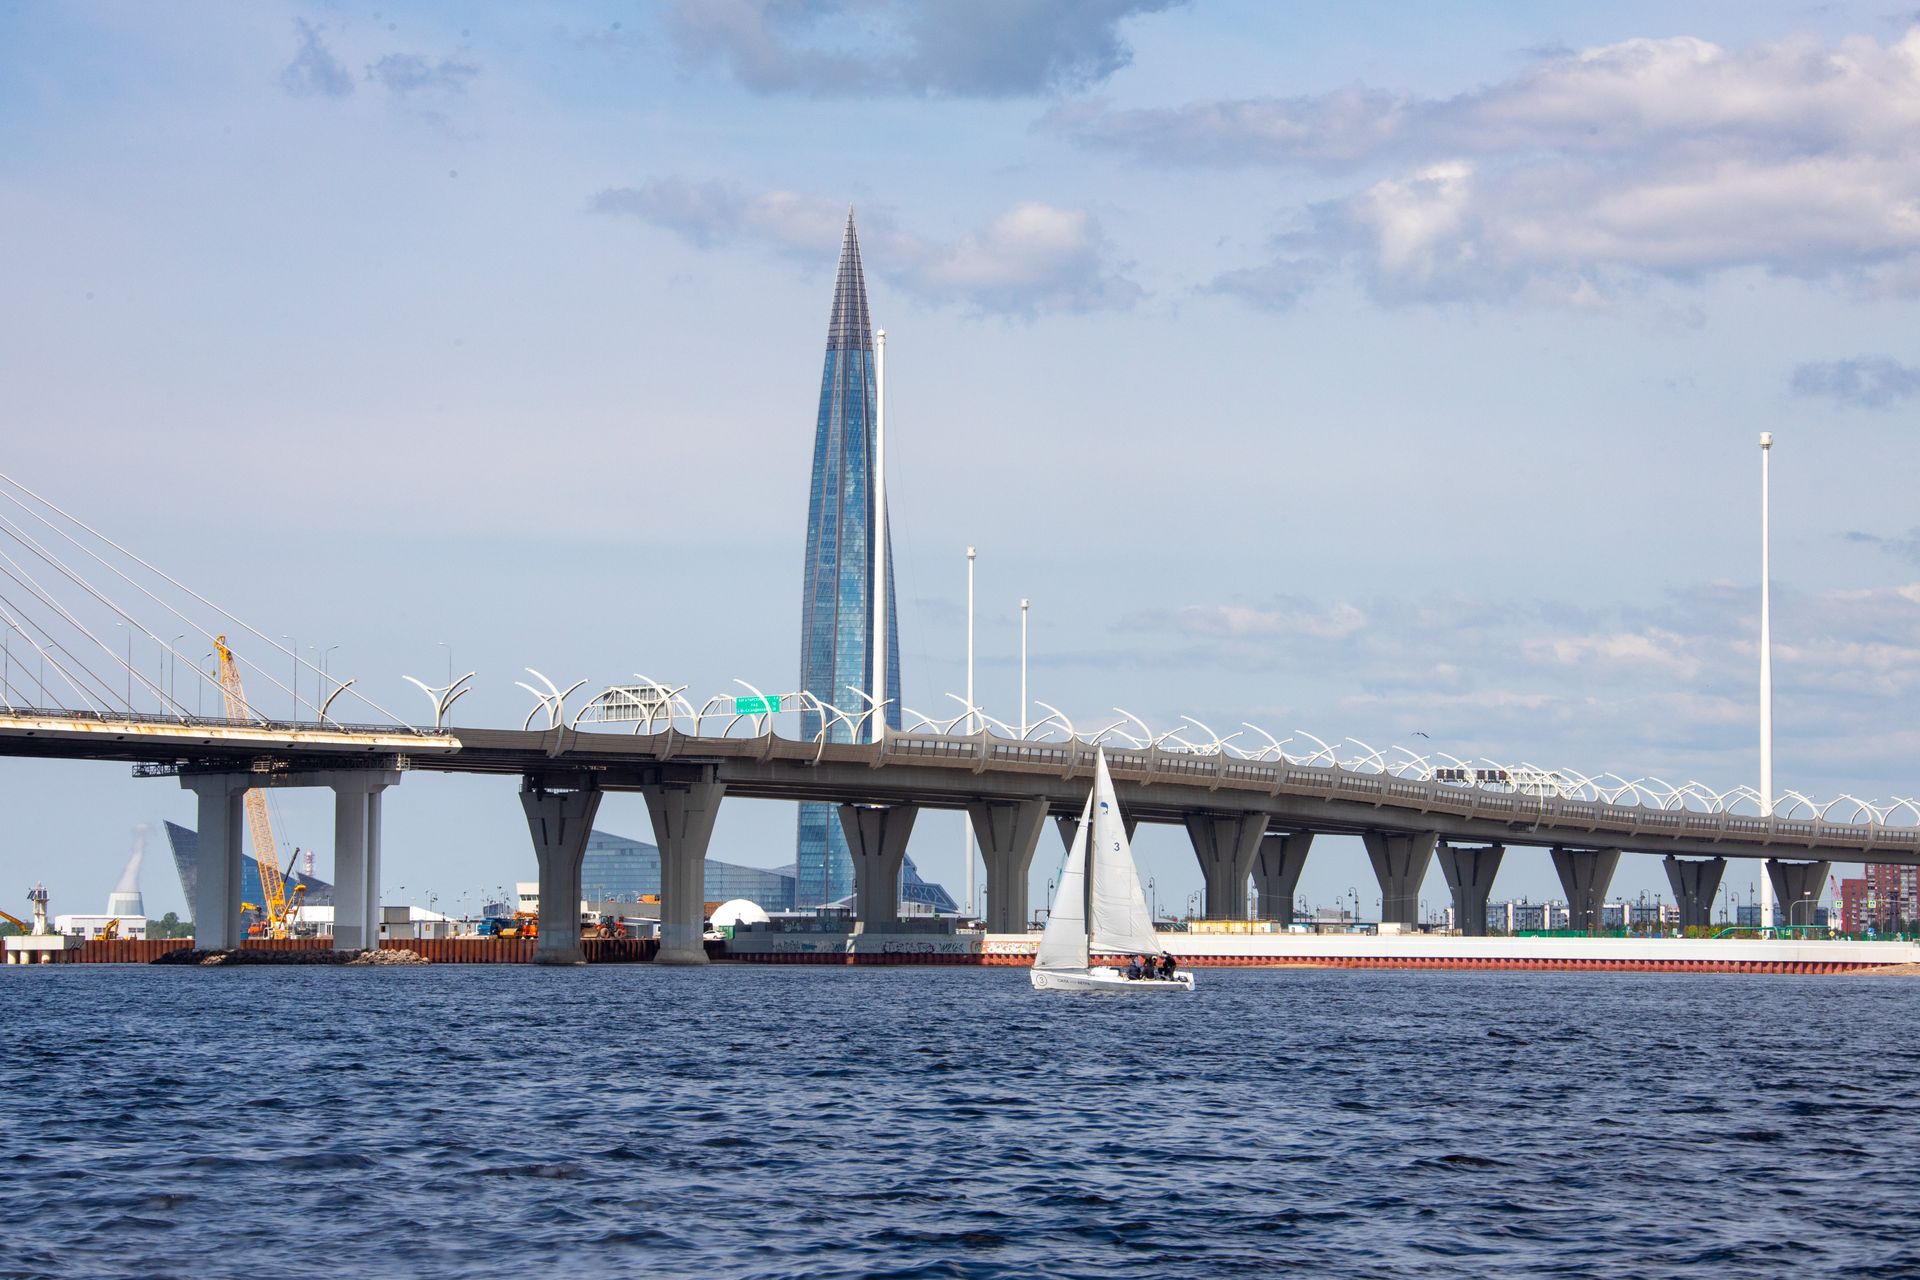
x=944, y=771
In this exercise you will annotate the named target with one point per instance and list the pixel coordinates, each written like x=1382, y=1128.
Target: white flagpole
x=879, y=650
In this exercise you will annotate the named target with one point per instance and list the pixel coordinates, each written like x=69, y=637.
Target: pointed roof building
x=837, y=602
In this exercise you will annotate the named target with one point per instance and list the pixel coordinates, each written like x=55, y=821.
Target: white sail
x=1063, y=945
x=1120, y=923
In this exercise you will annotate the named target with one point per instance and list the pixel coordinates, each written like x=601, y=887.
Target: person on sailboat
x=1133, y=969
x=1166, y=965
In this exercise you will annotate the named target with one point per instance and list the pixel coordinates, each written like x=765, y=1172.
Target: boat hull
x=1106, y=981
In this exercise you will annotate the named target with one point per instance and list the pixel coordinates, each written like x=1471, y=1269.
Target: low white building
x=91, y=926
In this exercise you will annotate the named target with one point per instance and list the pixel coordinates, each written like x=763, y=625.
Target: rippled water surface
x=741, y=1121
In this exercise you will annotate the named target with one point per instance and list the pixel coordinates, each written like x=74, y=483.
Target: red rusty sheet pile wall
x=436, y=950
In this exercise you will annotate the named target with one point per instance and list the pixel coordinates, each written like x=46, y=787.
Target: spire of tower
x=850, y=329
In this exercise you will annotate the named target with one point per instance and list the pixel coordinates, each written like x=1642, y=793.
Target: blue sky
x=1364, y=369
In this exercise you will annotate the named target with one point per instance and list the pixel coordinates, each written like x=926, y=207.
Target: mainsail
x=1120, y=924
x=1063, y=945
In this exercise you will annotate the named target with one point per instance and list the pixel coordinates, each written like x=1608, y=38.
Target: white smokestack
x=125, y=900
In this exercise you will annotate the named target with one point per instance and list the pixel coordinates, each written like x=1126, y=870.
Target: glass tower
x=836, y=606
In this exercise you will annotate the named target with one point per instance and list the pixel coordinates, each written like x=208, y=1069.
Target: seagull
x=1418, y=734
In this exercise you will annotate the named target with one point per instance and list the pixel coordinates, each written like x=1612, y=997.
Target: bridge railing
x=1336, y=781
x=262, y=726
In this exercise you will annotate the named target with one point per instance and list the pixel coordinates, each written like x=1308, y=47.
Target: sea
x=741, y=1121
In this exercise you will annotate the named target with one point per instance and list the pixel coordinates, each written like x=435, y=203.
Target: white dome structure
x=738, y=911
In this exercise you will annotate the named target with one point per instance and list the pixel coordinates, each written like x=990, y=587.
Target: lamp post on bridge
x=293, y=647
x=129, y=664
x=173, y=665
x=1023, y=668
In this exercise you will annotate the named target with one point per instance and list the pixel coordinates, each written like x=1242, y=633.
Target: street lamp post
x=293, y=647
x=173, y=665
x=324, y=669
x=129, y=664
x=1023, y=668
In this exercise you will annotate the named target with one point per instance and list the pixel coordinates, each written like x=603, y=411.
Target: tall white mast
x=1766, y=675
x=880, y=535
x=966, y=827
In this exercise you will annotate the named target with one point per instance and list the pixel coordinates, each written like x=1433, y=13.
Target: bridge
x=1251, y=813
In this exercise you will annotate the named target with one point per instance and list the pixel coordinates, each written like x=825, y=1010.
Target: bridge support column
x=1695, y=881
x=356, y=857
x=1277, y=865
x=1469, y=874
x=1400, y=860
x=1225, y=846
x=560, y=822
x=1585, y=875
x=222, y=835
x=1070, y=823
x=1796, y=889
x=1008, y=832
x=877, y=839
x=683, y=815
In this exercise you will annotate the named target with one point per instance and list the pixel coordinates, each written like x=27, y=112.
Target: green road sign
x=756, y=706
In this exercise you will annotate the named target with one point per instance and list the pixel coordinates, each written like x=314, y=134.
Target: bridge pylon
x=1277, y=865
x=1470, y=873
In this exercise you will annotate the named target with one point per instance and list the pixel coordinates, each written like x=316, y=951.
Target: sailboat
x=1099, y=909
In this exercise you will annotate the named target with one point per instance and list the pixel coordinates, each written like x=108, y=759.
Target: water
x=949, y=1122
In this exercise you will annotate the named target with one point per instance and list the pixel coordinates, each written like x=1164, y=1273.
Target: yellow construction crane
x=273, y=885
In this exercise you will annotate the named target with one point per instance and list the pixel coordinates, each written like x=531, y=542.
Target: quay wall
x=1357, y=951
x=436, y=950
x=1274, y=950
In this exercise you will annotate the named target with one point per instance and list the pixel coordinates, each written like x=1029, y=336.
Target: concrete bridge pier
x=1007, y=832
x=1695, y=881
x=877, y=839
x=1796, y=889
x=683, y=814
x=1277, y=865
x=216, y=889
x=1226, y=844
x=1585, y=875
x=1400, y=860
x=356, y=856
x=560, y=821
x=1470, y=873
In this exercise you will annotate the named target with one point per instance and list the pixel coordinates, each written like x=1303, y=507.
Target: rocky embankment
x=260, y=955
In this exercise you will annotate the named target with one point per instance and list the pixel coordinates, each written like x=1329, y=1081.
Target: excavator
x=279, y=912
x=24, y=928
x=262, y=929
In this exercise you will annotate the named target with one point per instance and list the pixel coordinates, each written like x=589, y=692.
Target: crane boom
x=273, y=885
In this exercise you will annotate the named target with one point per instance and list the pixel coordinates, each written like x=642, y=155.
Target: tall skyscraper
x=836, y=606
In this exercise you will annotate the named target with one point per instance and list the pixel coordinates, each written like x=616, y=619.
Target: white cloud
x=1030, y=258
x=844, y=48
x=1653, y=651
x=1667, y=689
x=1293, y=618
x=1666, y=157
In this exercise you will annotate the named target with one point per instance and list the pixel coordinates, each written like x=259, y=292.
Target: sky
x=1381, y=371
